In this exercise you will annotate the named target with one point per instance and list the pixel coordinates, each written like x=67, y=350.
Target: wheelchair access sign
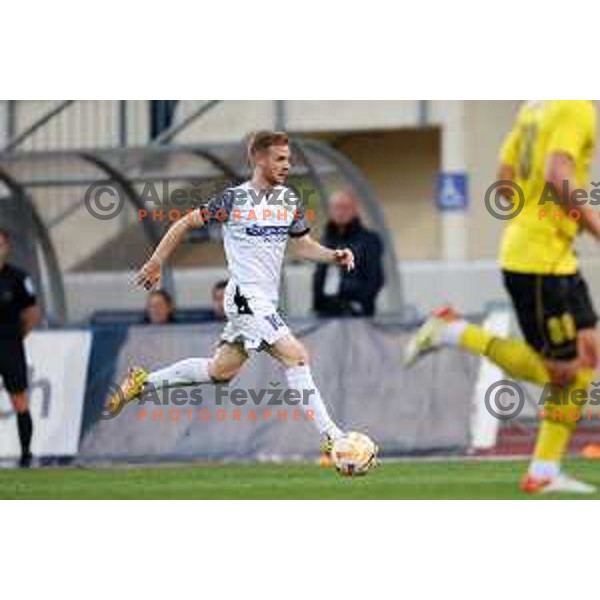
x=452, y=191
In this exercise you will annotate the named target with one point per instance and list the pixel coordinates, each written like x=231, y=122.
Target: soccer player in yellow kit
x=549, y=148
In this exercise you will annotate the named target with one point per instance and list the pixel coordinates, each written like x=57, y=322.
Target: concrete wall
x=425, y=284
x=234, y=119
x=486, y=124
x=401, y=166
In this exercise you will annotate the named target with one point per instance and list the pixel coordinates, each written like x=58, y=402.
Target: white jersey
x=256, y=227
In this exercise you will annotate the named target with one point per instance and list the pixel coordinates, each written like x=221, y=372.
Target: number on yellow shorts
x=561, y=329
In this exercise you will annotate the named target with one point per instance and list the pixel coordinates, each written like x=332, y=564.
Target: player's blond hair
x=263, y=140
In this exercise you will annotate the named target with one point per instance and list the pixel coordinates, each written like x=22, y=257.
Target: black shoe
x=25, y=461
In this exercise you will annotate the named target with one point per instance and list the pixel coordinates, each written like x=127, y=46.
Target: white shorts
x=252, y=320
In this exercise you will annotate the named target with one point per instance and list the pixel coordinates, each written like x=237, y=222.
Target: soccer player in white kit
x=259, y=217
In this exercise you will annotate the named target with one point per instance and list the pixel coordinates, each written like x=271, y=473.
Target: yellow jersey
x=532, y=243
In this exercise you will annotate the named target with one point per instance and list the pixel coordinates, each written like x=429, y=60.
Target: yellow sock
x=515, y=357
x=552, y=441
x=556, y=429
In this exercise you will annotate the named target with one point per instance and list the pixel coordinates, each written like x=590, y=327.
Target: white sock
x=184, y=372
x=300, y=378
x=544, y=469
x=450, y=334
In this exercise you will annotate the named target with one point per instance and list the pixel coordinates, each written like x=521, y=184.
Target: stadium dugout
x=55, y=168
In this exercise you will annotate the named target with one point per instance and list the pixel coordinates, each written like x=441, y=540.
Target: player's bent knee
x=291, y=353
x=222, y=374
x=300, y=357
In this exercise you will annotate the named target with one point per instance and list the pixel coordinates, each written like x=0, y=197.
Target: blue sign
x=452, y=191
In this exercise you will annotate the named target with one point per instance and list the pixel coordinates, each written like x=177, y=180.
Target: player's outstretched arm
x=149, y=275
x=560, y=172
x=308, y=248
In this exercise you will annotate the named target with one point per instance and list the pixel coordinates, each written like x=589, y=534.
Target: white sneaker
x=561, y=484
x=427, y=338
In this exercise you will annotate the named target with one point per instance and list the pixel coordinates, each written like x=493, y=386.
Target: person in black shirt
x=18, y=315
x=338, y=292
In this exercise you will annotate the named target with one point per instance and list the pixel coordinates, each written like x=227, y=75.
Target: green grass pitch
x=415, y=479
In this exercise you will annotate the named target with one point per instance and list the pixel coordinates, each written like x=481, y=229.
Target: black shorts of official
x=13, y=366
x=551, y=309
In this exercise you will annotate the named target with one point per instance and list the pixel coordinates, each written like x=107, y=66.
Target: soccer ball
x=354, y=454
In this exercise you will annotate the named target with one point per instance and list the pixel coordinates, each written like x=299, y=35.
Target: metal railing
x=67, y=124
x=33, y=126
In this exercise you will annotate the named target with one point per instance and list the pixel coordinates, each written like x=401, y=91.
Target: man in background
x=338, y=292
x=19, y=313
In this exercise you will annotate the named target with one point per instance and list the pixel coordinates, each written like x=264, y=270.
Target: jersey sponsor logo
x=268, y=232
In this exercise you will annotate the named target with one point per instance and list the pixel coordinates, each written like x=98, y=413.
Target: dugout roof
x=43, y=194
